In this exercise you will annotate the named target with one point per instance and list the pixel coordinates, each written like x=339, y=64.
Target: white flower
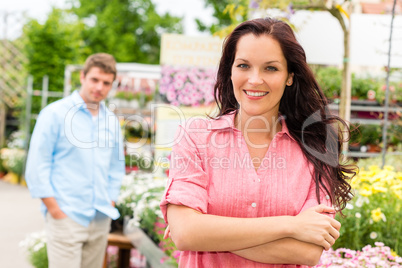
x=359, y=202
x=373, y=235
x=349, y=206
x=38, y=246
x=358, y=215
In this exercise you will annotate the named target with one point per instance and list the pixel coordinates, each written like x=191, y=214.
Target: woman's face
x=259, y=75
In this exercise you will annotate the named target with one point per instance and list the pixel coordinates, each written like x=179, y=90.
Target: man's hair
x=104, y=61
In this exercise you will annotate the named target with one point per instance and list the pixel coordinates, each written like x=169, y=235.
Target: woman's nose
x=255, y=78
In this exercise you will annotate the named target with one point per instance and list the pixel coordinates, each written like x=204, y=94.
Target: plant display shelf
x=155, y=257
x=369, y=106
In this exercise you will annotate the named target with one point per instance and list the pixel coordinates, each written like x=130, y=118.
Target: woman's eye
x=242, y=65
x=272, y=68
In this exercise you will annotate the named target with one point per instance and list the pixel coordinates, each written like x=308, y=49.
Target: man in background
x=75, y=165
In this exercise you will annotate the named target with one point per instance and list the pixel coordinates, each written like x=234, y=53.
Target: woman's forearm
x=193, y=231
x=283, y=251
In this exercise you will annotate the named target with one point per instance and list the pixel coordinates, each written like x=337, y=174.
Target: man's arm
x=53, y=208
x=40, y=155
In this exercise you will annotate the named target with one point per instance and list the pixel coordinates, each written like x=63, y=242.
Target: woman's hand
x=313, y=226
x=166, y=235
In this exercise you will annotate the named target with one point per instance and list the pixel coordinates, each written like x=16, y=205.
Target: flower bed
x=374, y=214
x=139, y=200
x=34, y=246
x=187, y=86
x=378, y=256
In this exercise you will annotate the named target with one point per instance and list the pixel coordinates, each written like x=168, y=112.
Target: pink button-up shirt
x=211, y=171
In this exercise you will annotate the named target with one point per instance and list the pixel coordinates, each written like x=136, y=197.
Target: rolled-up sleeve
x=188, y=182
x=311, y=200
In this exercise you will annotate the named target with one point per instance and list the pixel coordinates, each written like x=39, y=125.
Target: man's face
x=95, y=85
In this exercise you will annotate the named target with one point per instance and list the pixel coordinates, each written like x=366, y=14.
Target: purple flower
x=254, y=4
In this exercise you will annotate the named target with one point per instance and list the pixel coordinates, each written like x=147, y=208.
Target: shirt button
x=327, y=197
x=253, y=205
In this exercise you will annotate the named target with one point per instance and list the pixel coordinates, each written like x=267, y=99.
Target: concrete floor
x=19, y=216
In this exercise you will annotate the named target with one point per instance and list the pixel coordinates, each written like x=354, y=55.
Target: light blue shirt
x=77, y=159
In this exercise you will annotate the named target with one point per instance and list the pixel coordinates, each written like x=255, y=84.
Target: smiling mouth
x=255, y=94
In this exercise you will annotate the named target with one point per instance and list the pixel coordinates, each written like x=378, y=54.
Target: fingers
x=329, y=241
x=167, y=232
x=336, y=224
x=318, y=228
x=324, y=209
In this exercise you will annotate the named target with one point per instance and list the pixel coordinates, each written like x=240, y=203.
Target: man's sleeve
x=40, y=155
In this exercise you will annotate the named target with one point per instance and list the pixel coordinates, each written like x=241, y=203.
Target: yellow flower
x=398, y=194
x=366, y=190
x=379, y=189
x=389, y=168
x=377, y=215
x=374, y=168
x=393, y=253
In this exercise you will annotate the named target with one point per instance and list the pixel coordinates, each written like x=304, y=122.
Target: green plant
x=13, y=160
x=395, y=92
x=355, y=134
x=2, y=168
x=34, y=246
x=390, y=160
x=142, y=162
x=370, y=134
x=374, y=214
x=395, y=133
x=135, y=129
x=362, y=85
x=139, y=199
x=330, y=81
x=124, y=95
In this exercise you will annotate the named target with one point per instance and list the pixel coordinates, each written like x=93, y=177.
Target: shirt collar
x=80, y=103
x=227, y=122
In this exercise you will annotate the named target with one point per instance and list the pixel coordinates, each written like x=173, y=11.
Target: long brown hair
x=303, y=106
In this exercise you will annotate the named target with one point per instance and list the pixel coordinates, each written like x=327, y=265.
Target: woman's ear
x=289, y=81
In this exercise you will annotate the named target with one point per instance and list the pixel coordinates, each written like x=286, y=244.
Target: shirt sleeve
x=311, y=199
x=188, y=181
x=40, y=155
x=117, y=163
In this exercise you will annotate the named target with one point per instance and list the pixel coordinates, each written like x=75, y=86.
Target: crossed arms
x=265, y=239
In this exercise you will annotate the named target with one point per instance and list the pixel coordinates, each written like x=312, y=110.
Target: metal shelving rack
x=368, y=106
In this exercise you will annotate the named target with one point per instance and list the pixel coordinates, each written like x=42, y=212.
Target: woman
x=254, y=186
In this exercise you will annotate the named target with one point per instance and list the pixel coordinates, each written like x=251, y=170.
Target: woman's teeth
x=256, y=94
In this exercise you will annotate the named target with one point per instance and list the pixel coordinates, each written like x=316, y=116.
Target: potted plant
x=34, y=246
x=371, y=137
x=139, y=199
x=13, y=160
x=395, y=91
x=361, y=86
x=355, y=138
